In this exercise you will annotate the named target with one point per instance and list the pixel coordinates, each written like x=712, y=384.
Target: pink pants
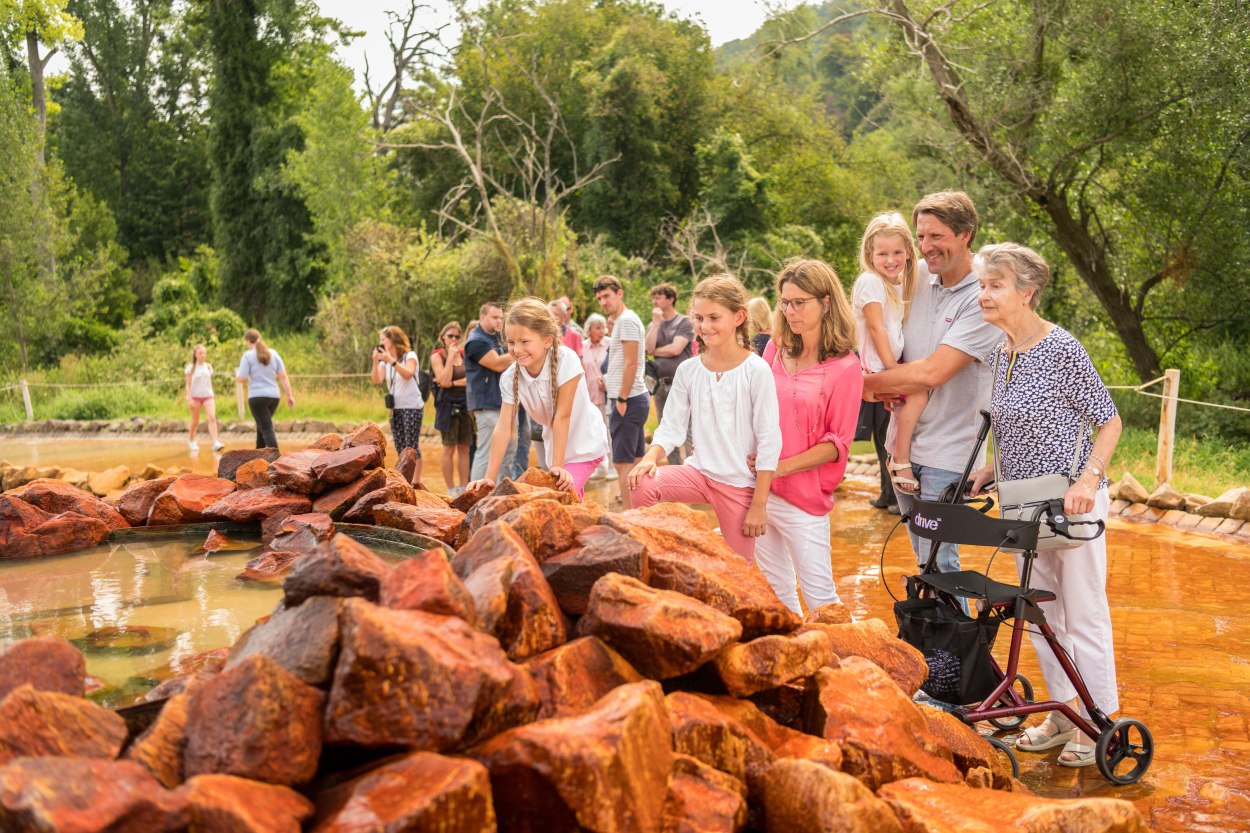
x=686, y=484
x=581, y=472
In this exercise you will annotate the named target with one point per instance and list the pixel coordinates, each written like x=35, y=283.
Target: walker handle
x=1057, y=520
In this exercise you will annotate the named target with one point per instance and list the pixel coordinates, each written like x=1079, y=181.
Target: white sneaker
x=193, y=447
x=455, y=491
x=218, y=446
x=611, y=475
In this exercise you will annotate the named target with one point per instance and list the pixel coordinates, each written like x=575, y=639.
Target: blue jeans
x=485, y=421
x=521, y=459
x=932, y=482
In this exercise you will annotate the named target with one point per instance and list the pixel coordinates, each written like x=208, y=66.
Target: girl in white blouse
x=726, y=400
x=547, y=380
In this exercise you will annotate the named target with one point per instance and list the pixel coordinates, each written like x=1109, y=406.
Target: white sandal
x=1083, y=754
x=906, y=485
x=1037, y=739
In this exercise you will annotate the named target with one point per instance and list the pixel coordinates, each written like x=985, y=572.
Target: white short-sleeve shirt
x=627, y=327
x=407, y=392
x=588, y=438
x=870, y=289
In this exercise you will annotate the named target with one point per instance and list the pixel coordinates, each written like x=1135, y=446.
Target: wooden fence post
x=30, y=412
x=1167, y=426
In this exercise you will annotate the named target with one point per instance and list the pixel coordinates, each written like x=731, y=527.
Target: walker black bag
x=956, y=647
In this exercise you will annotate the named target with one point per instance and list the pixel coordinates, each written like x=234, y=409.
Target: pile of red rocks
x=567, y=669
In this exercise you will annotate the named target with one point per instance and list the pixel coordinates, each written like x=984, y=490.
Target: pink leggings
x=581, y=472
x=686, y=484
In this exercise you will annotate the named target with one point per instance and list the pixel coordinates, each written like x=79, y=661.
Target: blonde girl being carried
x=548, y=381
x=726, y=399
x=880, y=298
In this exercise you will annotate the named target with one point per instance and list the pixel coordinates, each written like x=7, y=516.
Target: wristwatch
x=621, y=399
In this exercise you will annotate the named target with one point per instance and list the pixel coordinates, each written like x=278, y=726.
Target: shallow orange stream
x=1178, y=608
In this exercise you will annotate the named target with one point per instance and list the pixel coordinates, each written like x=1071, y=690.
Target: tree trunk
x=37, y=99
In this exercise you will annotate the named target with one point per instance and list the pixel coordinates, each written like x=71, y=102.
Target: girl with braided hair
x=548, y=381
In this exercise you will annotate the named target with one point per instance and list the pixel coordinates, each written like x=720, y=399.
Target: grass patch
x=1203, y=465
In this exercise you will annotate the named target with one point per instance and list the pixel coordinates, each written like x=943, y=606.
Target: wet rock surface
x=304, y=640
x=771, y=661
x=36, y=723
x=427, y=582
x=45, y=663
x=661, y=633
x=572, y=677
x=302, y=533
x=334, y=468
x=231, y=460
x=269, y=567
x=407, y=678
x=338, y=567
x=606, y=770
x=228, y=804
x=86, y=794
x=258, y=504
x=27, y=531
x=801, y=795
x=419, y=792
x=428, y=516
x=186, y=500
x=597, y=551
x=872, y=640
x=135, y=501
x=702, y=799
x=57, y=496
x=730, y=585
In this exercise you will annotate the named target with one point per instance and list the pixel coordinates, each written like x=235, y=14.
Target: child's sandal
x=906, y=485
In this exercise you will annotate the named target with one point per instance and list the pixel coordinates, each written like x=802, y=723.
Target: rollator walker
x=964, y=669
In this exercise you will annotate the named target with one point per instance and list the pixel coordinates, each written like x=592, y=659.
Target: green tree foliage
x=131, y=128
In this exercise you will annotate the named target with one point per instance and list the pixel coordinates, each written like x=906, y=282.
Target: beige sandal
x=906, y=485
x=1038, y=739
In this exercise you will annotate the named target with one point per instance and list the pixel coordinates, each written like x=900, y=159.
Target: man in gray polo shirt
x=945, y=343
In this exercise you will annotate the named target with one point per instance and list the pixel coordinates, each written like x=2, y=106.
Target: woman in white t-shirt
x=879, y=302
x=395, y=365
x=548, y=381
x=199, y=386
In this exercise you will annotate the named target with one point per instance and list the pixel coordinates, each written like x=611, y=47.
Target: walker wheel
x=1124, y=752
x=1008, y=724
x=1002, y=747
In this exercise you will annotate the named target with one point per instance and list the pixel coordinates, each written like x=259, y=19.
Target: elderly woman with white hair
x=595, y=362
x=1048, y=407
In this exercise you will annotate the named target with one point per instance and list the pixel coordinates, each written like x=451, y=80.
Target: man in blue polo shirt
x=485, y=360
x=945, y=342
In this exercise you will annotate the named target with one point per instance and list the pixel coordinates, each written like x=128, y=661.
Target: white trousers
x=1080, y=616
x=795, y=546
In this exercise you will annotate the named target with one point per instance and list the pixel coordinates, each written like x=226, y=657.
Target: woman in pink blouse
x=819, y=386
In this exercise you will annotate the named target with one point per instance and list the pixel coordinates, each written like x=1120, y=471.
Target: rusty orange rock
x=46, y=663
x=392, y=491
x=269, y=567
x=731, y=586
x=338, y=567
x=185, y=500
x=27, y=531
x=255, y=720
x=416, y=679
x=468, y=498
x=492, y=508
x=160, y=748
x=57, y=496
x=87, y=794
x=598, y=550
x=663, y=634
x=538, y=478
x=335, y=502
x=883, y=735
x=531, y=621
x=334, y=468
x=926, y=807
x=328, y=442
x=773, y=734
x=676, y=528
x=427, y=582
x=829, y=614
x=872, y=640
x=771, y=661
x=703, y=731
x=302, y=533
x=606, y=770
x=135, y=501
x=423, y=791
x=253, y=474
x=428, y=516
x=228, y=804
x=257, y=504
x=968, y=749
x=407, y=464
x=35, y=723
x=571, y=678
x=367, y=434
x=802, y=795
x=544, y=525
x=304, y=640
x=702, y=799
x=228, y=465
x=293, y=471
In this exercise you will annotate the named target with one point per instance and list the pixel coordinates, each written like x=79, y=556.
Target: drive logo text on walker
x=930, y=524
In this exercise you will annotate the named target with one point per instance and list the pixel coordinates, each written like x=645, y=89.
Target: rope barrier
x=1196, y=402
x=171, y=380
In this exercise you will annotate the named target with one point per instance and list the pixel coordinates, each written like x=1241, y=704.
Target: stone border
x=151, y=425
